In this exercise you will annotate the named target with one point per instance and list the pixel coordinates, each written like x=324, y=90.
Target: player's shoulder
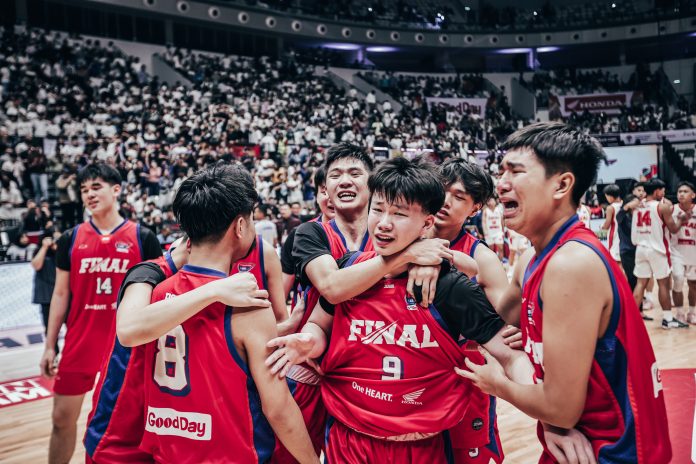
x=575, y=261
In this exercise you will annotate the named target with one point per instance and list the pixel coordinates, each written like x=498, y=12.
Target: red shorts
x=308, y=398
x=73, y=383
x=491, y=453
x=347, y=446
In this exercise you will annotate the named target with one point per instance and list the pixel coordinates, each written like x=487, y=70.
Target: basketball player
x=612, y=193
x=116, y=422
x=493, y=230
x=318, y=246
x=611, y=390
x=206, y=376
x=327, y=213
x=467, y=189
x=91, y=261
x=683, y=249
x=650, y=219
x=389, y=379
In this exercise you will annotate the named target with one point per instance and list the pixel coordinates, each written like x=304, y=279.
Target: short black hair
x=559, y=147
x=102, y=171
x=686, y=183
x=209, y=201
x=477, y=182
x=638, y=184
x=612, y=190
x=654, y=184
x=348, y=150
x=415, y=181
x=319, y=178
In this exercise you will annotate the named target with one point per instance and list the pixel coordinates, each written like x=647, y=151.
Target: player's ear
x=565, y=182
x=429, y=223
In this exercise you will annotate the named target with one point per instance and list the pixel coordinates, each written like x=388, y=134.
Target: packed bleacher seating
x=65, y=101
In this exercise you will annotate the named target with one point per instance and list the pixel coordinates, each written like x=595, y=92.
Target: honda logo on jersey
x=379, y=332
x=412, y=398
x=245, y=267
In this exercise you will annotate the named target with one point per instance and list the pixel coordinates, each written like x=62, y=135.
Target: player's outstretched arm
x=274, y=279
x=491, y=276
x=255, y=329
x=301, y=347
x=465, y=263
x=509, y=304
x=136, y=326
x=59, y=307
x=572, y=319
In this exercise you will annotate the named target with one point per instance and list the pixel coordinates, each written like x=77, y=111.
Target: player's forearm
x=518, y=368
x=56, y=316
x=138, y=324
x=537, y=402
x=286, y=420
x=319, y=337
x=361, y=276
x=465, y=264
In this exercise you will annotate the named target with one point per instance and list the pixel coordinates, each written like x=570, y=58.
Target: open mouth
x=383, y=240
x=346, y=196
x=510, y=208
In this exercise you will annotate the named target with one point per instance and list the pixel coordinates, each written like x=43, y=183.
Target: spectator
x=21, y=250
x=66, y=187
x=287, y=222
x=165, y=236
x=264, y=227
x=36, y=167
x=10, y=198
x=44, y=264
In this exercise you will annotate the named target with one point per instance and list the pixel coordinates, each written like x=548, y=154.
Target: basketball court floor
x=25, y=403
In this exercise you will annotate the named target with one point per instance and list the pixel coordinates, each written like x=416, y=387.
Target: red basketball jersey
x=389, y=368
x=253, y=262
x=476, y=430
x=98, y=264
x=201, y=403
x=115, y=423
x=624, y=416
x=339, y=247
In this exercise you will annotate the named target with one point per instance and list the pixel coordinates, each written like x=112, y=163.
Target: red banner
x=25, y=390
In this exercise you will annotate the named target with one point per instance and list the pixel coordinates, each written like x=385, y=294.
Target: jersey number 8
x=171, y=371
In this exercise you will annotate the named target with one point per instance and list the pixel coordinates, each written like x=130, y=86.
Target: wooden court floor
x=25, y=428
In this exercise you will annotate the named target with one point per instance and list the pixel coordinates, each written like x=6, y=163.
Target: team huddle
x=404, y=331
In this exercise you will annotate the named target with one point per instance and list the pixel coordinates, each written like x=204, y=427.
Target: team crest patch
x=123, y=247
x=411, y=303
x=245, y=267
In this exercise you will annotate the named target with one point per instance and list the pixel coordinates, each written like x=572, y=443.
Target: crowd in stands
x=654, y=87
x=66, y=101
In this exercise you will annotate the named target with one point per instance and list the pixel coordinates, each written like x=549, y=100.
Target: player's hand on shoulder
x=512, y=337
x=240, y=290
x=568, y=446
x=428, y=252
x=422, y=282
x=290, y=350
x=488, y=377
x=47, y=363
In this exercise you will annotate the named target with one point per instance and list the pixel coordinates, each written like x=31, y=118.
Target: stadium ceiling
x=295, y=26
